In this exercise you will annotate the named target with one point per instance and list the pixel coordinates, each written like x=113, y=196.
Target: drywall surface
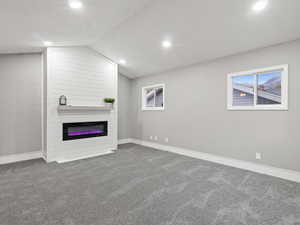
x=196, y=116
x=124, y=104
x=21, y=103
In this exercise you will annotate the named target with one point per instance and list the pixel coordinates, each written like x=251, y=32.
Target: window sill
x=154, y=109
x=283, y=108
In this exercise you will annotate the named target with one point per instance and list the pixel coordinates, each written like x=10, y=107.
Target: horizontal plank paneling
x=85, y=77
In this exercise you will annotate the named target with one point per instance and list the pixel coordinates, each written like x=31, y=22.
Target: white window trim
x=144, y=108
x=284, y=89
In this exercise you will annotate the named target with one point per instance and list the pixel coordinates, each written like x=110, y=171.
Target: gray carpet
x=142, y=186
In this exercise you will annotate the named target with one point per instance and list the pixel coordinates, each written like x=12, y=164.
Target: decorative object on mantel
x=62, y=100
x=109, y=102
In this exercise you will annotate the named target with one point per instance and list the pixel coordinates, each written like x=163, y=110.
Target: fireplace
x=72, y=131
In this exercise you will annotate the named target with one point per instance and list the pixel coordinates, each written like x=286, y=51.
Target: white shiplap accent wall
x=85, y=77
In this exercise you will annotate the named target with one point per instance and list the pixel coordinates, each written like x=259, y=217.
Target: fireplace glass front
x=80, y=130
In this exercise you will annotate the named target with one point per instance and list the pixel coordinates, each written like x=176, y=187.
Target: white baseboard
x=258, y=168
x=20, y=157
x=85, y=156
x=286, y=174
x=125, y=141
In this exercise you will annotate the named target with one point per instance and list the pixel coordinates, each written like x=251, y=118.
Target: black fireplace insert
x=80, y=130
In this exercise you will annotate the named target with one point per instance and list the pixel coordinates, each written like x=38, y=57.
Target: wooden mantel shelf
x=71, y=108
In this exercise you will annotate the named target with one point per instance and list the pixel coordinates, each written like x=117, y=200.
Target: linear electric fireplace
x=73, y=131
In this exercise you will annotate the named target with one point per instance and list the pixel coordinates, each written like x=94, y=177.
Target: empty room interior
x=149, y=112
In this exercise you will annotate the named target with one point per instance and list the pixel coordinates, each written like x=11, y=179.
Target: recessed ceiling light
x=166, y=44
x=122, y=61
x=75, y=4
x=260, y=5
x=48, y=43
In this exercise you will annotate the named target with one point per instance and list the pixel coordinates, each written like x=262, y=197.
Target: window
x=153, y=97
x=262, y=89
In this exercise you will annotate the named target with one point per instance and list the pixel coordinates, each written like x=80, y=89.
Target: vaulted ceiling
x=133, y=30
x=26, y=24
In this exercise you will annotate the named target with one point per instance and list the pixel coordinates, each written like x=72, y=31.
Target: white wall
x=85, y=77
x=20, y=108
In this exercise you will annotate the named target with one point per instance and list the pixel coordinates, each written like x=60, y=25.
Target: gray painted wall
x=195, y=115
x=20, y=108
x=124, y=103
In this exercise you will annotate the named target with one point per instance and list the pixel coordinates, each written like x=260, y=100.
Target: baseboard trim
x=125, y=141
x=20, y=157
x=286, y=174
x=85, y=157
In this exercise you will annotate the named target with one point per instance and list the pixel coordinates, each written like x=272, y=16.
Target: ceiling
x=26, y=24
x=200, y=30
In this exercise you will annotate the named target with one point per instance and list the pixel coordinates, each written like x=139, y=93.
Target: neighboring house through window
x=261, y=89
x=153, y=97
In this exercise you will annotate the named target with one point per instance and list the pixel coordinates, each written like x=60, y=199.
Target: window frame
x=144, y=107
x=284, y=89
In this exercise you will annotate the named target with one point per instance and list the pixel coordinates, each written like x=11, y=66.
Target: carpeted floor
x=142, y=186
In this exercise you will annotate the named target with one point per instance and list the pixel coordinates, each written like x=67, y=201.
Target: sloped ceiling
x=25, y=24
x=200, y=30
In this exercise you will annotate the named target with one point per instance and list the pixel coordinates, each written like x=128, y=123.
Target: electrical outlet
x=258, y=156
x=155, y=138
x=151, y=137
x=166, y=140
